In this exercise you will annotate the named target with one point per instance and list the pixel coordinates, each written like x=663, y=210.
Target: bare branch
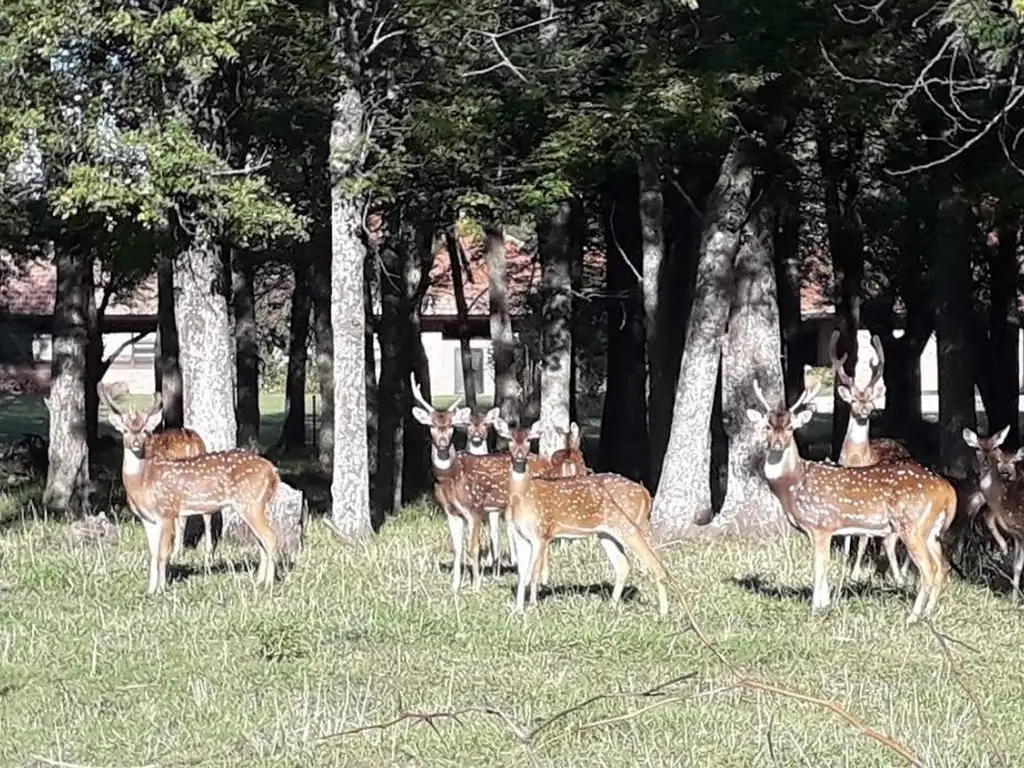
x=494, y=37
x=615, y=239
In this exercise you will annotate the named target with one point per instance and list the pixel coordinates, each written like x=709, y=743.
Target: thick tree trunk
x=623, y=423
x=503, y=344
x=953, y=308
x=752, y=351
x=788, y=282
x=67, y=478
x=323, y=338
x=371, y=288
x=659, y=375
x=1002, y=363
x=350, y=496
x=94, y=369
x=293, y=430
x=555, y=245
x=455, y=255
x=417, y=475
x=168, y=368
x=247, y=353
x=683, y=494
x=839, y=167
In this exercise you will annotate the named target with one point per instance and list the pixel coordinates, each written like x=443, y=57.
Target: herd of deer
x=876, y=490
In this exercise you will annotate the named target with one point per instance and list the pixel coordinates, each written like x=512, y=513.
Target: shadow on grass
x=504, y=569
x=603, y=589
x=182, y=572
x=758, y=585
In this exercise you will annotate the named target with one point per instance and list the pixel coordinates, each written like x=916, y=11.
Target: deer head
x=135, y=427
x=476, y=428
x=860, y=399
x=993, y=463
x=780, y=423
x=518, y=441
x=441, y=423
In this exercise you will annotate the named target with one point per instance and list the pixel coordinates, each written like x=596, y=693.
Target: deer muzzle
x=519, y=465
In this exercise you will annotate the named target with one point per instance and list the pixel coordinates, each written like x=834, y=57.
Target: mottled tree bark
x=623, y=422
x=293, y=430
x=554, y=244
x=788, y=282
x=455, y=256
x=247, y=354
x=323, y=338
x=67, y=477
x=503, y=344
x=168, y=379
x=952, y=283
x=684, y=493
x=350, y=496
x=1001, y=365
x=752, y=351
x=654, y=268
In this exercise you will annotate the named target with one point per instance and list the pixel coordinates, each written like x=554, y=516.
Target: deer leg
x=154, y=535
x=456, y=527
x=510, y=532
x=894, y=564
x=255, y=517
x=941, y=565
x=525, y=552
x=634, y=541
x=619, y=563
x=862, y=546
x=1018, y=568
x=474, y=551
x=165, y=544
x=922, y=557
x=545, y=569
x=494, y=528
x=542, y=546
x=179, y=537
x=208, y=540
x=990, y=523
x=819, y=570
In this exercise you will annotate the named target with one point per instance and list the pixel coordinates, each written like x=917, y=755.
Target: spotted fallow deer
x=170, y=443
x=825, y=500
x=477, y=425
x=1003, y=488
x=858, y=450
x=161, y=490
x=614, y=509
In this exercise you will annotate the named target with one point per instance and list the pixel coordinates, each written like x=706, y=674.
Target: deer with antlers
x=608, y=506
x=161, y=490
x=470, y=488
x=1003, y=489
x=858, y=450
x=894, y=498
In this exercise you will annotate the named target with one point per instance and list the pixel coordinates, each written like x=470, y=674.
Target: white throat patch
x=856, y=432
x=131, y=464
x=477, y=450
x=440, y=463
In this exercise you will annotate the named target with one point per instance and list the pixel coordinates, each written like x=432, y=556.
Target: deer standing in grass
x=858, y=450
x=826, y=500
x=1003, y=489
x=162, y=490
x=611, y=507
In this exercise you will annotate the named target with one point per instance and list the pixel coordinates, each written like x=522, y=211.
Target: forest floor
x=217, y=672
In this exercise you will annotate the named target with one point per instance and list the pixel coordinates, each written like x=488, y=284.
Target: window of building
x=42, y=348
x=144, y=350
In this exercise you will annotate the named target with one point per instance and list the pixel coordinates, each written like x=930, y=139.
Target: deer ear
x=574, y=432
x=535, y=430
x=844, y=393
x=421, y=416
x=153, y=421
x=879, y=391
x=492, y=416
x=461, y=416
x=116, y=421
x=501, y=427
x=756, y=417
x=1000, y=436
x=1019, y=455
x=970, y=437
x=802, y=417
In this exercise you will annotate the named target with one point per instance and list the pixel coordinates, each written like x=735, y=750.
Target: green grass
x=215, y=672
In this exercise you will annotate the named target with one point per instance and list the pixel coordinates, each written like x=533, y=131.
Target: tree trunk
x=455, y=257
x=1002, y=364
x=417, y=475
x=350, y=495
x=67, y=477
x=659, y=376
x=623, y=422
x=371, y=288
x=555, y=246
x=788, y=282
x=503, y=343
x=846, y=243
x=953, y=308
x=169, y=381
x=293, y=430
x=247, y=353
x=320, y=272
x=683, y=494
x=752, y=351
x=94, y=369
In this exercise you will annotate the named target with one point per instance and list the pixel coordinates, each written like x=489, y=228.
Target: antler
x=102, y=392
x=418, y=394
x=838, y=362
x=805, y=396
x=760, y=396
x=876, y=370
x=158, y=403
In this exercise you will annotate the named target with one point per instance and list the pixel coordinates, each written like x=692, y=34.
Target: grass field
x=214, y=672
